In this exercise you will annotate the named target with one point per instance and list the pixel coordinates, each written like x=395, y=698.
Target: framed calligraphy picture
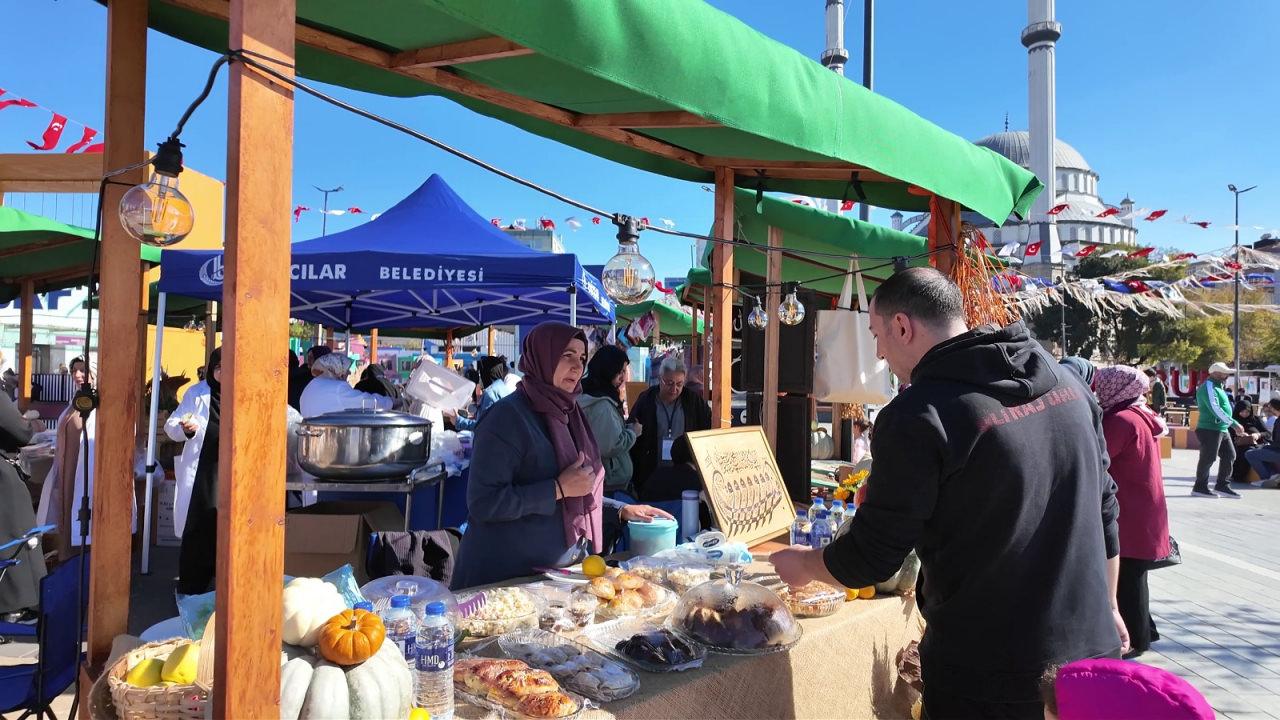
x=748, y=498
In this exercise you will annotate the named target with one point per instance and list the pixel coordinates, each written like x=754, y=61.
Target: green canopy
x=672, y=322
x=52, y=254
x=726, y=95
x=694, y=289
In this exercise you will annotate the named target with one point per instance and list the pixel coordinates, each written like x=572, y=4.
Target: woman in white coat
x=330, y=391
x=187, y=425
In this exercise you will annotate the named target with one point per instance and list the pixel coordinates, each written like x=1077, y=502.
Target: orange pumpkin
x=351, y=637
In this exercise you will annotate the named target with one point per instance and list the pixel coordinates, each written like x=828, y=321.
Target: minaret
x=1039, y=37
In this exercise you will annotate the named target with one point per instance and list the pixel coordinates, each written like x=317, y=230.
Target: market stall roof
x=672, y=321
x=429, y=262
x=643, y=84
x=53, y=255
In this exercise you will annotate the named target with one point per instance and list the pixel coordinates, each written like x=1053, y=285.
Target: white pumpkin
x=308, y=604
x=380, y=688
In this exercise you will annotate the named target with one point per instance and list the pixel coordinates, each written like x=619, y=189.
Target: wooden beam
x=803, y=170
x=493, y=336
x=42, y=279
x=210, y=328
x=772, y=332
x=721, y=299
x=944, y=229
x=448, y=349
x=459, y=53
x=60, y=172
x=118, y=360
x=373, y=346
x=255, y=296
x=26, y=344
x=664, y=119
x=39, y=245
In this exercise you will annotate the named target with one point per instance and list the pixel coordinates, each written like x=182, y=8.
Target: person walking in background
x=1131, y=430
x=665, y=412
x=1213, y=432
x=1159, y=393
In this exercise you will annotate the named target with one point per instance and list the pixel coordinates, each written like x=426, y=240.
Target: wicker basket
x=175, y=702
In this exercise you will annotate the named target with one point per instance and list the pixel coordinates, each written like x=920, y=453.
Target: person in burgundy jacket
x=1131, y=430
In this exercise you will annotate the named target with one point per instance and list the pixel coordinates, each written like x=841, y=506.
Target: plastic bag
x=439, y=387
x=344, y=579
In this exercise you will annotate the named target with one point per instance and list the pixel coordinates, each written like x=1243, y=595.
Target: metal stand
x=434, y=474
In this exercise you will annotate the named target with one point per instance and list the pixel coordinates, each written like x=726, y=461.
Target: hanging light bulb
x=791, y=311
x=758, y=318
x=628, y=277
x=156, y=213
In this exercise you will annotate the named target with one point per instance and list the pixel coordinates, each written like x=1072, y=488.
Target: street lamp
x=324, y=213
x=1238, y=268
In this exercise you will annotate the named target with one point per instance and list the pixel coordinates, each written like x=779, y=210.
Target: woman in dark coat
x=1253, y=434
x=20, y=588
x=198, y=556
x=1131, y=429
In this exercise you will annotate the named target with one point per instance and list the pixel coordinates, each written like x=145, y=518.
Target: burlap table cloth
x=844, y=667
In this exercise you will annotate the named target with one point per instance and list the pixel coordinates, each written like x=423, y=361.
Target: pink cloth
x=566, y=425
x=1125, y=690
x=1135, y=466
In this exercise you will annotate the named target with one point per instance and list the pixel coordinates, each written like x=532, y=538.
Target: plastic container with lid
x=654, y=536
x=736, y=617
x=420, y=590
x=817, y=599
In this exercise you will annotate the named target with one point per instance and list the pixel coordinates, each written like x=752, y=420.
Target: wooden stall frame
x=720, y=298
x=772, y=333
x=26, y=343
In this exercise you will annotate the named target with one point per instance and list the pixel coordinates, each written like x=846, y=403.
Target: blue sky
x=1168, y=102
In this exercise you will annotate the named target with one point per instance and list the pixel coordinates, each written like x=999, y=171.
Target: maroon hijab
x=566, y=425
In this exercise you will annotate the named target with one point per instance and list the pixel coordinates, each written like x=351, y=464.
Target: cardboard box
x=328, y=535
x=1166, y=447
x=1193, y=418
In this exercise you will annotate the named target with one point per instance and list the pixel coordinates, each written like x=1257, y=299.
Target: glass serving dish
x=736, y=617
x=576, y=666
x=505, y=610
x=817, y=599
x=645, y=646
x=481, y=699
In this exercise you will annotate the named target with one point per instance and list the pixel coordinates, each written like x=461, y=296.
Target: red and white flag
x=1057, y=209
x=94, y=148
x=1155, y=215
x=1184, y=256
x=667, y=222
x=846, y=206
x=547, y=223
x=1204, y=224
x=644, y=221
x=355, y=211
x=595, y=220
x=52, y=133
x=496, y=222
x=1233, y=266
x=298, y=210
x=15, y=102
x=1108, y=212
x=572, y=222
x=1033, y=249
x=1087, y=250
x=85, y=139
x=1142, y=252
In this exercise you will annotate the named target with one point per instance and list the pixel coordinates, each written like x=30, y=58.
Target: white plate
x=575, y=576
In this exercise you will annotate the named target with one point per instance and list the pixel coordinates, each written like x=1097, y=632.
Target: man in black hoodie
x=992, y=467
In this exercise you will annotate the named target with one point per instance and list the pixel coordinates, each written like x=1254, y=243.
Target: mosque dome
x=1016, y=145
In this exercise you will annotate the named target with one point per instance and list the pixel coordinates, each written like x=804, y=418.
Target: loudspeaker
x=795, y=350
x=794, y=446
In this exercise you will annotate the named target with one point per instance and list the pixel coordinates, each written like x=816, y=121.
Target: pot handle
x=308, y=432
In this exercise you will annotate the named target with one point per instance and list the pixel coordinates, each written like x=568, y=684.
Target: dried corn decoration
x=973, y=274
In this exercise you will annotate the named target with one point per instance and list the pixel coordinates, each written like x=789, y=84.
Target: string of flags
x=1149, y=215
x=298, y=210
x=54, y=130
x=546, y=223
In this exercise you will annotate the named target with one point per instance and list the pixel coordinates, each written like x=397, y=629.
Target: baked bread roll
x=512, y=685
x=547, y=705
x=481, y=676
x=628, y=601
x=613, y=572
x=602, y=588
x=630, y=581
x=650, y=594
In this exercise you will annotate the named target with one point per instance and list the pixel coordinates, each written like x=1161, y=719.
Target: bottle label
x=434, y=657
x=406, y=643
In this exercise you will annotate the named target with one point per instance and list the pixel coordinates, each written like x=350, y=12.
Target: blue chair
x=32, y=687
x=8, y=558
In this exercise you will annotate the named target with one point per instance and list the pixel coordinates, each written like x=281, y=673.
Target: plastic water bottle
x=433, y=675
x=800, y=529
x=818, y=506
x=837, y=513
x=363, y=605
x=402, y=626
x=822, y=532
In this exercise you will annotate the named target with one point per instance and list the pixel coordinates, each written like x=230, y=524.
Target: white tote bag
x=847, y=369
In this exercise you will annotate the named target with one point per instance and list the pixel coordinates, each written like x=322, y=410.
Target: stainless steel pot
x=363, y=444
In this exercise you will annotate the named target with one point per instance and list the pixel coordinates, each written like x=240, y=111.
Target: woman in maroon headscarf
x=1131, y=429
x=536, y=489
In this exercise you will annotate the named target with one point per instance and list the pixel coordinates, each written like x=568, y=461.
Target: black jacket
x=647, y=451
x=992, y=466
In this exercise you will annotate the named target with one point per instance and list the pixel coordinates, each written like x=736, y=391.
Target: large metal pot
x=363, y=444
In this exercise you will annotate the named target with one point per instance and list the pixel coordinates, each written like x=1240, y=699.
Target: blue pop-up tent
x=429, y=262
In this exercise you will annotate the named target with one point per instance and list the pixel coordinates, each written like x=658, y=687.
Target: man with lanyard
x=666, y=412
x=1213, y=431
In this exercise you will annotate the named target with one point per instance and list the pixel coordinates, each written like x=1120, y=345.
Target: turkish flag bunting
x=15, y=102
x=663, y=289
x=85, y=139
x=1108, y=212
x=298, y=210
x=94, y=148
x=1204, y=224
x=644, y=221
x=595, y=220
x=52, y=133
x=1184, y=256
x=1086, y=251
x=1057, y=209
x=355, y=211
x=496, y=222
x=1233, y=266
x=547, y=223
x=846, y=206
x=1141, y=252
x=1137, y=286
x=1032, y=249
x=1155, y=215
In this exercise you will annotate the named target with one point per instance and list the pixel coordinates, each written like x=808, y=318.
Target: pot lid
x=367, y=418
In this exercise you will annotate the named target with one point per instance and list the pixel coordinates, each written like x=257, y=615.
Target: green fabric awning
x=53, y=254
x=776, y=106
x=672, y=322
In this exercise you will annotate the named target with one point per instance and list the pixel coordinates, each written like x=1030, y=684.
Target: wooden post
x=944, y=229
x=448, y=349
x=210, y=328
x=772, y=299
x=373, y=346
x=493, y=338
x=695, y=342
x=26, y=343
x=256, y=302
x=119, y=384
x=721, y=300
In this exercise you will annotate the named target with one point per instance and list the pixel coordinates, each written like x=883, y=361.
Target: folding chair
x=9, y=558
x=32, y=687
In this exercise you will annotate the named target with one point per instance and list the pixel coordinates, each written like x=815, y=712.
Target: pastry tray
x=545, y=639
x=605, y=637
x=464, y=694
x=660, y=609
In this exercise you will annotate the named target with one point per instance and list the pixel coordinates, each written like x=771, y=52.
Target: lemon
x=146, y=673
x=850, y=594
x=419, y=714
x=867, y=592
x=593, y=566
x=180, y=666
